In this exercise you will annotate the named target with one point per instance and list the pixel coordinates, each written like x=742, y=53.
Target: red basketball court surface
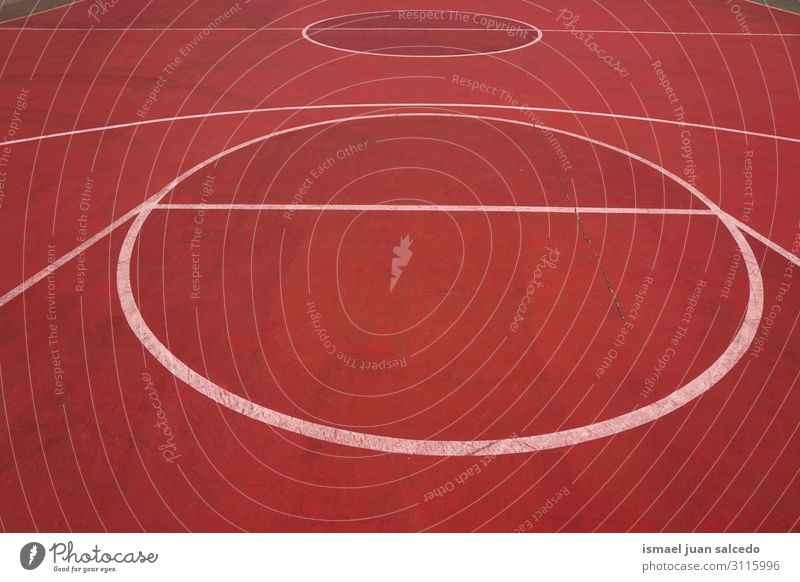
x=270, y=266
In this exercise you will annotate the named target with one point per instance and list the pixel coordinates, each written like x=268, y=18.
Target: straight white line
x=291, y=29
x=392, y=105
x=512, y=31
x=436, y=208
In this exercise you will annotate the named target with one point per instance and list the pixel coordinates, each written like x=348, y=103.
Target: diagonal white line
x=57, y=264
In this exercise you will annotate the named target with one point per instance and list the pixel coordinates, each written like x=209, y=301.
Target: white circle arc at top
x=533, y=28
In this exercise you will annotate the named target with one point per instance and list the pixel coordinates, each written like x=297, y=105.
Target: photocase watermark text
x=569, y=20
x=548, y=260
x=168, y=449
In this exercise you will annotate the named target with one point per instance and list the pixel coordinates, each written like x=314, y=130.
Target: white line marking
x=700, y=384
x=437, y=208
x=297, y=29
x=399, y=105
x=418, y=28
x=564, y=30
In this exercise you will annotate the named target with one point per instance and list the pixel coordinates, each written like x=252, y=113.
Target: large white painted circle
x=700, y=384
x=528, y=27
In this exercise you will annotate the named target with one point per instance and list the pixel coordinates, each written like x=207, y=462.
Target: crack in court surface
x=573, y=201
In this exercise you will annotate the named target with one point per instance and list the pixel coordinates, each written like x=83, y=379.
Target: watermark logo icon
x=31, y=555
x=402, y=256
